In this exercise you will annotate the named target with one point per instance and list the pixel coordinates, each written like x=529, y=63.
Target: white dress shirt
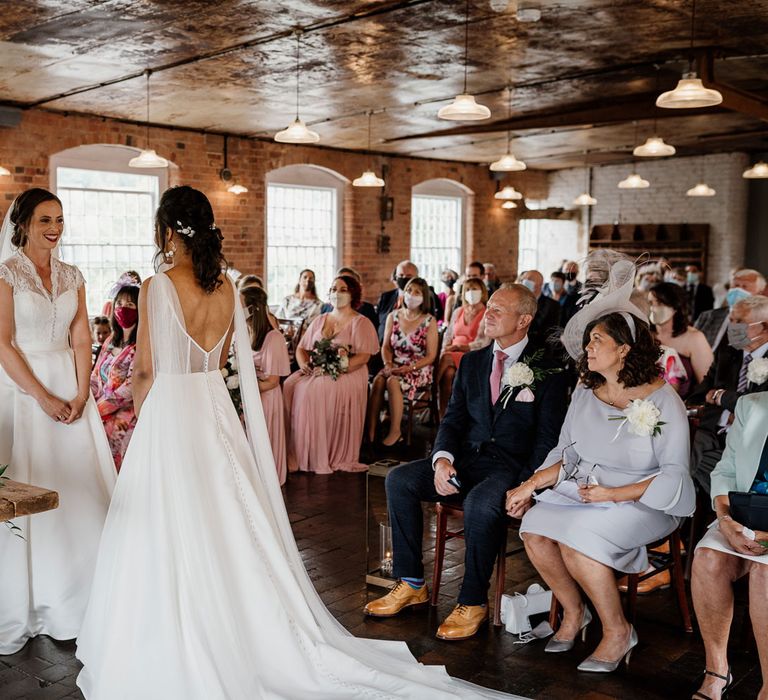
x=513, y=353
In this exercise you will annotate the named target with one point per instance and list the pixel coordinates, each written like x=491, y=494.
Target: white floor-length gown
x=45, y=578
x=200, y=593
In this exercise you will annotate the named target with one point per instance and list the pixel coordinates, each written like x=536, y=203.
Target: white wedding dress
x=45, y=578
x=200, y=593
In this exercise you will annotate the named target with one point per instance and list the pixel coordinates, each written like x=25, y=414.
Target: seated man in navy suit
x=491, y=439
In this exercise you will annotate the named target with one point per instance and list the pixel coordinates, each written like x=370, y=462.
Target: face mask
x=449, y=283
x=557, y=285
x=340, y=299
x=126, y=317
x=660, y=314
x=692, y=278
x=473, y=296
x=530, y=284
x=736, y=294
x=412, y=301
x=402, y=282
x=738, y=335
x=570, y=276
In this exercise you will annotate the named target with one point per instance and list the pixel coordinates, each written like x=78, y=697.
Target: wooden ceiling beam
x=734, y=99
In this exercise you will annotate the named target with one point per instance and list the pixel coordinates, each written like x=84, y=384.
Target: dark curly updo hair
x=673, y=296
x=23, y=210
x=185, y=209
x=640, y=363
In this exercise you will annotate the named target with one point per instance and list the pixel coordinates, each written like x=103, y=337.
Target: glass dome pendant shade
x=757, y=171
x=368, y=178
x=585, y=200
x=654, y=147
x=508, y=193
x=701, y=190
x=509, y=205
x=297, y=132
x=147, y=158
x=4, y=171
x=237, y=189
x=634, y=182
x=690, y=93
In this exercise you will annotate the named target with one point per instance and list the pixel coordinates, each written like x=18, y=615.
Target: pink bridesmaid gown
x=272, y=360
x=327, y=416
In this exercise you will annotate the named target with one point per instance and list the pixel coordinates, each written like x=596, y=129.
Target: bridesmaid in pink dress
x=327, y=415
x=270, y=355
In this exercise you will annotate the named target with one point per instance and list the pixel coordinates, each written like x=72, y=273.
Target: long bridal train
x=200, y=591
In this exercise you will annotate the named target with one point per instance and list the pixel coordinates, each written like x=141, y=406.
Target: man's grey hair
x=749, y=272
x=526, y=301
x=756, y=306
x=411, y=263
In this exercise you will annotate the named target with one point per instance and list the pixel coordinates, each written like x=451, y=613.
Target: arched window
x=109, y=212
x=439, y=213
x=304, y=223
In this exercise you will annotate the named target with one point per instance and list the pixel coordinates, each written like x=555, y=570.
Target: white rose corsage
x=642, y=416
x=522, y=374
x=757, y=370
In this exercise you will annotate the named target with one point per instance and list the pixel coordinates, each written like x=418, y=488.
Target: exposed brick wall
x=665, y=201
x=493, y=232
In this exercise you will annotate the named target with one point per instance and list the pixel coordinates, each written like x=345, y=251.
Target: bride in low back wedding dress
x=200, y=592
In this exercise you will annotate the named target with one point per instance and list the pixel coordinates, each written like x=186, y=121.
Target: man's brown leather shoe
x=400, y=597
x=463, y=622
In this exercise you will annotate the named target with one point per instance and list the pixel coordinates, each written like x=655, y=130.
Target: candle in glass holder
x=385, y=548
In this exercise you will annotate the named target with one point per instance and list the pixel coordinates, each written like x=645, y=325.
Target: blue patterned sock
x=414, y=582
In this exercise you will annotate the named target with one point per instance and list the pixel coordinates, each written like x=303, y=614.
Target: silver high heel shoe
x=556, y=646
x=597, y=666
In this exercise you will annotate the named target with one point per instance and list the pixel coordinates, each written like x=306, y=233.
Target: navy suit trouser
x=483, y=492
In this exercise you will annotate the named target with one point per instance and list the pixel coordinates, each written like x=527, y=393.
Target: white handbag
x=517, y=609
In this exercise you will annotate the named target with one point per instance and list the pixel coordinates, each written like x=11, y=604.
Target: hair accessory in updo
x=187, y=231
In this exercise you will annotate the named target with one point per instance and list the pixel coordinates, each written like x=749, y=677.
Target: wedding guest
x=111, y=383
x=100, y=330
x=700, y=296
x=635, y=462
x=669, y=323
x=408, y=352
x=393, y=299
x=463, y=334
x=547, y=319
x=364, y=308
x=726, y=554
x=270, y=356
x=303, y=303
x=327, y=415
x=492, y=281
x=249, y=280
x=130, y=277
x=447, y=297
x=492, y=437
x=730, y=376
x=473, y=270
x=50, y=432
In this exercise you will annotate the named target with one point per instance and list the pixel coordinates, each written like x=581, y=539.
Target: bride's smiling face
x=604, y=354
x=45, y=226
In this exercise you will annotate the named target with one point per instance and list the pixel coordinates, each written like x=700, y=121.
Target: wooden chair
x=671, y=561
x=443, y=534
x=292, y=329
x=425, y=398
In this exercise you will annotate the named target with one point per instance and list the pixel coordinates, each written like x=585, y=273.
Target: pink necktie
x=498, y=369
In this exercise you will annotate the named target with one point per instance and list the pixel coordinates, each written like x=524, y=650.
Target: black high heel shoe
x=698, y=695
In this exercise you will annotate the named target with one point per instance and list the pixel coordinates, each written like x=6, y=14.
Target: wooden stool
x=443, y=534
x=671, y=562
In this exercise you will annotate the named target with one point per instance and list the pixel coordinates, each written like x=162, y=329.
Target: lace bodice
x=174, y=351
x=41, y=318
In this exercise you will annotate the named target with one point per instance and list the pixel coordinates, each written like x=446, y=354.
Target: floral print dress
x=407, y=349
x=112, y=388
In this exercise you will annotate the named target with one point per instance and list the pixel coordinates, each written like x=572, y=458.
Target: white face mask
x=340, y=299
x=412, y=301
x=473, y=296
x=660, y=314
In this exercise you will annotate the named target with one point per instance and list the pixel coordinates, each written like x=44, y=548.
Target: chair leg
x=501, y=574
x=554, y=612
x=631, y=597
x=678, y=580
x=441, y=526
x=409, y=421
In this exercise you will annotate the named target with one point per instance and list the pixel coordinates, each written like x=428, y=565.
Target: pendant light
x=226, y=174
x=148, y=158
x=690, y=91
x=757, y=171
x=464, y=108
x=509, y=205
x=508, y=163
x=297, y=132
x=654, y=147
x=237, y=189
x=368, y=178
x=634, y=182
x=701, y=190
x=5, y=171
x=508, y=193
x=585, y=199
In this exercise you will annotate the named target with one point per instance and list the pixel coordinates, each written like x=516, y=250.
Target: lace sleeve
x=79, y=279
x=6, y=275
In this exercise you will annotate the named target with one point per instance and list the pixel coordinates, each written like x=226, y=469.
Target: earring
x=170, y=253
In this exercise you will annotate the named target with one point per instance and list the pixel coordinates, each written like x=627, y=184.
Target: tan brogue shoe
x=400, y=597
x=463, y=622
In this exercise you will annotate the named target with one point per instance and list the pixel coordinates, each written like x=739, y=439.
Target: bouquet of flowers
x=330, y=358
x=232, y=380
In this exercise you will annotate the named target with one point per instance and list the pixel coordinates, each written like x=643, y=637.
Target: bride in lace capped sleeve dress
x=50, y=431
x=200, y=592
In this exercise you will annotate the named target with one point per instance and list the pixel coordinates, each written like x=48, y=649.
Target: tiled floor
x=328, y=516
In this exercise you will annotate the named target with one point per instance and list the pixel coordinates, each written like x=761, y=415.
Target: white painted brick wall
x=665, y=201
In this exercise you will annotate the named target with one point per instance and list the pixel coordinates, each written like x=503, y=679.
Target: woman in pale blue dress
x=623, y=457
